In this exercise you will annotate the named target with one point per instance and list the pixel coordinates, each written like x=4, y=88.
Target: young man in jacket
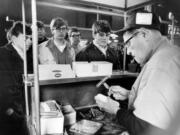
x=98, y=49
x=12, y=99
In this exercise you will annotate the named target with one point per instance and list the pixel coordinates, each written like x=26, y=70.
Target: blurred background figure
x=41, y=38
x=130, y=64
x=41, y=32
x=75, y=39
x=113, y=41
x=98, y=49
x=57, y=50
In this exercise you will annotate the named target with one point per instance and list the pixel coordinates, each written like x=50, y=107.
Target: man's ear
x=145, y=32
x=13, y=38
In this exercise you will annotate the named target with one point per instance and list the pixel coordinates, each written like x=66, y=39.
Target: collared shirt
x=154, y=97
x=49, y=53
x=103, y=50
x=92, y=53
x=61, y=47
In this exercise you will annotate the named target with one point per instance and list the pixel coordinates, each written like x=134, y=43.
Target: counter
x=80, y=91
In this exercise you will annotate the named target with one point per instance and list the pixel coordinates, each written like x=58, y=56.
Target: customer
x=98, y=49
x=41, y=38
x=12, y=106
x=74, y=38
x=57, y=50
x=154, y=97
x=41, y=32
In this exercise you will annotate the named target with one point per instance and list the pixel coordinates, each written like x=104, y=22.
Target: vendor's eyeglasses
x=127, y=43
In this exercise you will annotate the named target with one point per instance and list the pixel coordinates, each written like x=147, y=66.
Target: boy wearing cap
x=57, y=50
x=154, y=97
x=98, y=50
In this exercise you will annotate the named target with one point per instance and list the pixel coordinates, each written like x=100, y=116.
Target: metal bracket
x=29, y=80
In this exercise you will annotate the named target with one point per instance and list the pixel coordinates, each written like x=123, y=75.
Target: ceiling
x=111, y=7
x=50, y=8
x=119, y=5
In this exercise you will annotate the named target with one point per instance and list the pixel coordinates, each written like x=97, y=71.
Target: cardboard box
x=52, y=123
x=55, y=71
x=52, y=119
x=94, y=68
x=69, y=115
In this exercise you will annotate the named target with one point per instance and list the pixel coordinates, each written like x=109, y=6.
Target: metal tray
x=85, y=127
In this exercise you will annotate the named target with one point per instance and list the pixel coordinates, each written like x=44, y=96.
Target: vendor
x=154, y=97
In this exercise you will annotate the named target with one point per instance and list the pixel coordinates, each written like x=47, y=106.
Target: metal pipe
x=25, y=61
x=97, y=15
x=35, y=68
x=102, y=81
x=172, y=34
x=89, y=10
x=125, y=4
x=124, y=50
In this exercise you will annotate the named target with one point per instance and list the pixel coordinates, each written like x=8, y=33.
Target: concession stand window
x=77, y=91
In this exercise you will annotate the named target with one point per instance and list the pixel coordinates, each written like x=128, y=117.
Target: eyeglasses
x=102, y=34
x=76, y=35
x=127, y=43
x=63, y=28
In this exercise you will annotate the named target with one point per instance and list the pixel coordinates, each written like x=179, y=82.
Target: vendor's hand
x=118, y=92
x=107, y=104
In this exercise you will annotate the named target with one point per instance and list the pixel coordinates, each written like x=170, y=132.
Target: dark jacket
x=11, y=92
x=92, y=53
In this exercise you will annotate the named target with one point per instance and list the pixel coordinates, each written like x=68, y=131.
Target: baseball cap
x=141, y=19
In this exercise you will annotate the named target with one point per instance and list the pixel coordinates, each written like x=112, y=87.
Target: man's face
x=59, y=33
x=101, y=38
x=41, y=33
x=137, y=46
x=75, y=38
x=19, y=41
